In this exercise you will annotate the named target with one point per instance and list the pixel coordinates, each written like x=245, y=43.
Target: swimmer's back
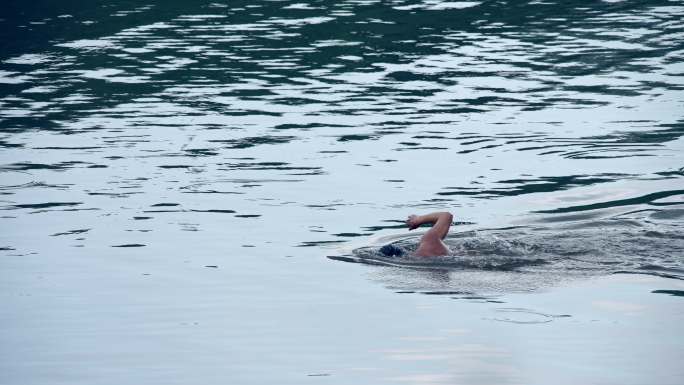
x=431, y=248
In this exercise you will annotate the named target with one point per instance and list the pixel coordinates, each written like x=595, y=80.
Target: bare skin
x=431, y=243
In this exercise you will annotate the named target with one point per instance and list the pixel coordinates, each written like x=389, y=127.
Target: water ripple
x=329, y=112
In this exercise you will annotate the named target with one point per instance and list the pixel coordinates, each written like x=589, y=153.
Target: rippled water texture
x=309, y=123
x=189, y=165
x=306, y=124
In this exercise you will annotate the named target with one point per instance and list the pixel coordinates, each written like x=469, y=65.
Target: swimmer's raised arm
x=431, y=242
x=441, y=222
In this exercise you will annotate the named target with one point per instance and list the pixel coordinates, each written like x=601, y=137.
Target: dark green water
x=190, y=157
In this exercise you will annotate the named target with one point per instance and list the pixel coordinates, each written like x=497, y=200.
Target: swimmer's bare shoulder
x=431, y=244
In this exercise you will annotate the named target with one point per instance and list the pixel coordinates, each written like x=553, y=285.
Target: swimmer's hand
x=412, y=222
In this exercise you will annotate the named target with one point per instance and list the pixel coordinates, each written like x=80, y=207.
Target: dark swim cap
x=392, y=251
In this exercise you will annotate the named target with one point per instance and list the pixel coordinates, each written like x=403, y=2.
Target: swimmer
x=431, y=244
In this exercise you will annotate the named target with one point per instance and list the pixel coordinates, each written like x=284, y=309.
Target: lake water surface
x=184, y=184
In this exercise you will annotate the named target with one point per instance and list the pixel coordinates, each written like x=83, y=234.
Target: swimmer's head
x=392, y=251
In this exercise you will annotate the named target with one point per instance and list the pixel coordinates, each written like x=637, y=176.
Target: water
x=189, y=162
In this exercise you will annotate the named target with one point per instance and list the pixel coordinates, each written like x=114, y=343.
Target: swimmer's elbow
x=448, y=219
x=448, y=216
